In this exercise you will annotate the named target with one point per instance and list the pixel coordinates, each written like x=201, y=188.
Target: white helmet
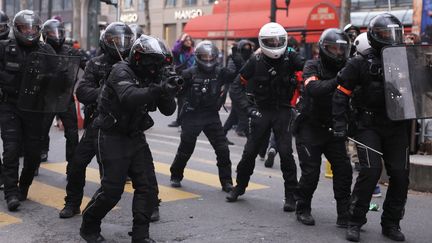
x=361, y=43
x=273, y=40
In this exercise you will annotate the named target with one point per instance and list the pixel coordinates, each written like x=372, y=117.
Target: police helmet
x=206, y=56
x=117, y=40
x=137, y=30
x=361, y=44
x=26, y=27
x=53, y=32
x=4, y=25
x=272, y=39
x=334, y=47
x=149, y=55
x=245, y=48
x=383, y=30
x=352, y=31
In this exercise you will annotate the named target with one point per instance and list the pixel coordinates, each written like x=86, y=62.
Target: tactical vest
x=205, y=90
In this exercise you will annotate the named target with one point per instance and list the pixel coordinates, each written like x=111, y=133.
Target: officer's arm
x=231, y=65
x=187, y=80
x=314, y=86
x=298, y=61
x=347, y=79
x=128, y=92
x=238, y=87
x=88, y=88
x=166, y=105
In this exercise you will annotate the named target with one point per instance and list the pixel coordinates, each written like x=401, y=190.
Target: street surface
x=197, y=212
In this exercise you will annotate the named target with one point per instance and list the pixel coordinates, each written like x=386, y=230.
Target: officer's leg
x=32, y=124
x=115, y=153
x=70, y=124
x=370, y=172
x=11, y=134
x=46, y=126
x=242, y=121
x=259, y=128
x=283, y=137
x=145, y=197
x=231, y=120
x=310, y=164
x=217, y=138
x=396, y=158
x=335, y=152
x=263, y=149
x=188, y=139
x=85, y=151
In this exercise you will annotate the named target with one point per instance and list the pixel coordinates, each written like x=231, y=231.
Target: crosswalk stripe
x=201, y=177
x=49, y=195
x=6, y=219
x=165, y=193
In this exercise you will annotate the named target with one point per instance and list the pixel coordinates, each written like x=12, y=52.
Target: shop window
x=170, y=3
x=190, y=2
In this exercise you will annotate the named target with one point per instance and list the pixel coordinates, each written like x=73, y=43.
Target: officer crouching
x=133, y=88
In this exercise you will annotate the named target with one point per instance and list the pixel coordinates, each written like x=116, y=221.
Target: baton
x=367, y=147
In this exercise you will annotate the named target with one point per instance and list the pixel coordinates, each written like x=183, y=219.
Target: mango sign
x=323, y=16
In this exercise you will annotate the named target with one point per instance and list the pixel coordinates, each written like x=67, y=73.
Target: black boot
x=290, y=203
x=227, y=186
x=174, y=124
x=92, y=237
x=393, y=233
x=353, y=233
x=305, y=218
x=235, y=193
x=12, y=203
x=155, y=215
x=69, y=211
x=44, y=156
x=270, y=158
x=342, y=221
x=23, y=193
x=175, y=183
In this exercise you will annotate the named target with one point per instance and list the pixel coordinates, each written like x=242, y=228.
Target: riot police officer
x=362, y=81
x=202, y=93
x=352, y=31
x=137, y=30
x=264, y=89
x=313, y=137
x=4, y=33
x=19, y=128
x=133, y=88
x=87, y=92
x=53, y=33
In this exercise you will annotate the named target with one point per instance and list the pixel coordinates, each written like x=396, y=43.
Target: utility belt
x=370, y=118
x=122, y=126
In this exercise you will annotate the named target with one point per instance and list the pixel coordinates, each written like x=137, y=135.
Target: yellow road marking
x=165, y=193
x=50, y=196
x=201, y=177
x=6, y=219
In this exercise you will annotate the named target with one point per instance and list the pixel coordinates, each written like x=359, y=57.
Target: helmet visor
x=29, y=30
x=338, y=50
x=56, y=33
x=3, y=27
x=352, y=34
x=392, y=34
x=120, y=42
x=274, y=42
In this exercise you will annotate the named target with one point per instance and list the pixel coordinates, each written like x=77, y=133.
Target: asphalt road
x=197, y=212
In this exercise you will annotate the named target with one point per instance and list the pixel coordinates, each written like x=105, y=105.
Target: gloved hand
x=254, y=113
x=171, y=85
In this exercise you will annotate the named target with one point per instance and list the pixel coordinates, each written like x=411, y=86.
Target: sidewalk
x=421, y=173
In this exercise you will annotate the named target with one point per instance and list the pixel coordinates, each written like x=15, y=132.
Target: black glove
x=254, y=113
x=171, y=85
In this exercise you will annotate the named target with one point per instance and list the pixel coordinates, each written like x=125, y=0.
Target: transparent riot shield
x=408, y=81
x=48, y=82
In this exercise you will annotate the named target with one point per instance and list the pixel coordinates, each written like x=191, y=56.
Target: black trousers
x=214, y=132
x=70, y=124
x=310, y=152
x=85, y=152
x=279, y=121
x=236, y=117
x=19, y=129
x=391, y=139
x=121, y=156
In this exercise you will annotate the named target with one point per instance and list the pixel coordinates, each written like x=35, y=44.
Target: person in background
x=184, y=58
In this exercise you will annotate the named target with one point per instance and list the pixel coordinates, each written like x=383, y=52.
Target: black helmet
x=352, y=31
x=53, y=32
x=4, y=25
x=206, y=56
x=383, y=30
x=244, y=47
x=334, y=47
x=117, y=40
x=148, y=55
x=137, y=30
x=26, y=27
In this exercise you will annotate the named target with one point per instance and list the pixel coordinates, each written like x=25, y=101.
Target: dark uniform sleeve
x=88, y=89
x=297, y=61
x=315, y=86
x=238, y=87
x=347, y=80
x=187, y=78
x=128, y=92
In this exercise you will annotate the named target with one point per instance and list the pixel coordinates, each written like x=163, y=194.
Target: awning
x=304, y=18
